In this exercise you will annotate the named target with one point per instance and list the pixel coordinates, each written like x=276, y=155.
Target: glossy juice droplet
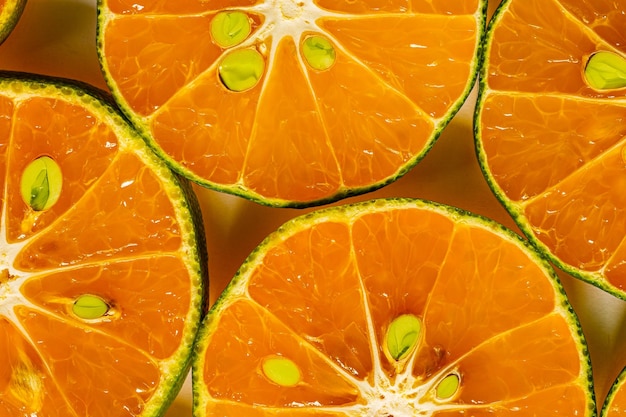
x=402, y=336
x=41, y=183
x=318, y=52
x=230, y=28
x=281, y=371
x=89, y=307
x=606, y=71
x=241, y=69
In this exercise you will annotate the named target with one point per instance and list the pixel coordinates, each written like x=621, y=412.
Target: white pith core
x=404, y=395
x=26, y=381
x=11, y=279
x=286, y=19
x=378, y=394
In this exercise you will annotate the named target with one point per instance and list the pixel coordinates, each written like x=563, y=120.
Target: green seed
x=448, y=386
x=318, y=52
x=281, y=371
x=402, y=336
x=606, y=70
x=230, y=28
x=41, y=183
x=90, y=307
x=241, y=69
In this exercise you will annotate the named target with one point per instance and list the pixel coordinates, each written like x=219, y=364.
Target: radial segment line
x=610, y=260
x=183, y=91
x=503, y=334
x=378, y=371
x=588, y=29
x=62, y=216
x=352, y=410
x=305, y=72
x=617, y=101
x=306, y=343
x=25, y=276
x=557, y=312
x=438, y=278
x=369, y=70
x=589, y=164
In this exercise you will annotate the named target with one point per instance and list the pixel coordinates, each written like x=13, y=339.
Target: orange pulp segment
x=392, y=307
x=550, y=139
x=615, y=402
x=291, y=103
x=101, y=290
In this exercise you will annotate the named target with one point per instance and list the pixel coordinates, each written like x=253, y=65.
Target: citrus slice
x=615, y=401
x=10, y=12
x=102, y=268
x=392, y=308
x=550, y=130
x=286, y=102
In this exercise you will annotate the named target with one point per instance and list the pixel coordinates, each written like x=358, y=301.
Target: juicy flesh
x=113, y=233
x=381, y=101
x=615, y=406
x=322, y=299
x=553, y=144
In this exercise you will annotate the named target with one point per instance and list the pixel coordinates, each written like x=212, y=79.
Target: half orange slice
x=550, y=130
x=291, y=103
x=102, y=266
x=392, y=308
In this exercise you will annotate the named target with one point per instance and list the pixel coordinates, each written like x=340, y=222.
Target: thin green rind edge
x=344, y=193
x=10, y=19
x=100, y=103
x=595, y=279
x=619, y=382
x=239, y=281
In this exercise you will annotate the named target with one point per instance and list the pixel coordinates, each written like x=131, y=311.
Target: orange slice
x=615, y=402
x=550, y=130
x=291, y=103
x=102, y=269
x=392, y=308
x=10, y=12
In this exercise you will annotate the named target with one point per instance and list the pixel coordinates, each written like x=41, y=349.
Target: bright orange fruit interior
x=552, y=144
x=615, y=405
x=114, y=233
x=300, y=135
x=323, y=292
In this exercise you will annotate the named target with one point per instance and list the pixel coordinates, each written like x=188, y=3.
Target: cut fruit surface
x=291, y=103
x=392, y=308
x=550, y=130
x=10, y=12
x=615, y=402
x=102, y=259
